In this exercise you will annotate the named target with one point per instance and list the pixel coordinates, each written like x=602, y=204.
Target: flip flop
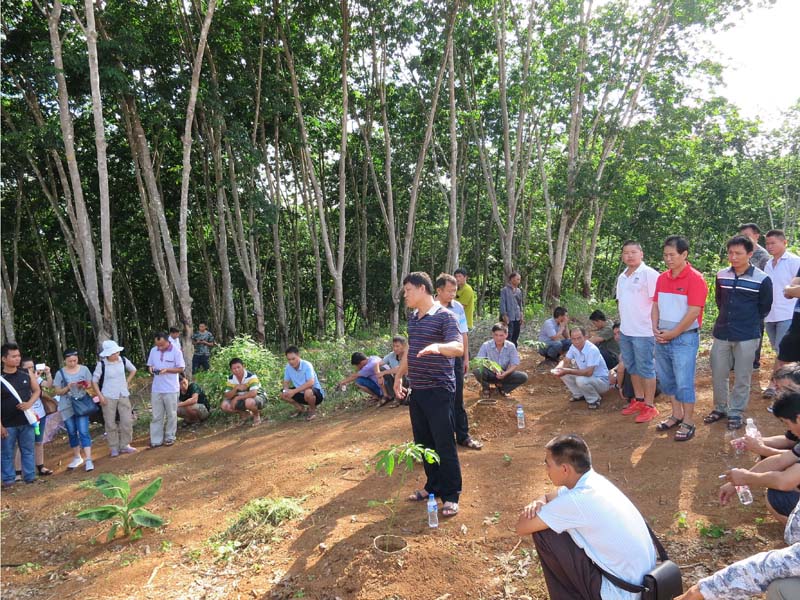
x=417, y=496
x=471, y=443
x=311, y=416
x=450, y=509
x=45, y=471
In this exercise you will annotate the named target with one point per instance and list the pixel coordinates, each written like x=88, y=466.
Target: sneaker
x=114, y=453
x=593, y=405
x=75, y=463
x=634, y=407
x=574, y=399
x=129, y=450
x=647, y=413
x=89, y=465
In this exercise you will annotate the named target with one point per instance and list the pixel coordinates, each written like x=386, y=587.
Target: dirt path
x=327, y=553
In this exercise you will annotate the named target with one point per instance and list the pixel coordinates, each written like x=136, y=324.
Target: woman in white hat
x=111, y=386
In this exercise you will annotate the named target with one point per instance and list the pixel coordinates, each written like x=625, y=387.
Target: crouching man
x=587, y=522
x=243, y=393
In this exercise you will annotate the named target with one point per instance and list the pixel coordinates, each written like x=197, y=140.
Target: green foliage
x=404, y=455
x=486, y=364
x=681, y=519
x=28, y=567
x=127, y=514
x=709, y=530
x=255, y=522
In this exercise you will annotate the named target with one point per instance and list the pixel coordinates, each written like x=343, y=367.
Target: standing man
x=446, y=287
x=781, y=270
x=203, y=341
x=677, y=314
x=759, y=260
x=583, y=370
x=165, y=363
x=511, y=307
x=175, y=337
x=19, y=392
x=585, y=525
x=465, y=295
x=743, y=295
x=433, y=342
x=636, y=286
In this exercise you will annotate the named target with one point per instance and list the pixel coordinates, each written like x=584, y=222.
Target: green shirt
x=607, y=334
x=466, y=295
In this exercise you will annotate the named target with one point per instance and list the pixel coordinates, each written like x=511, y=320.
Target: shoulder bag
x=83, y=406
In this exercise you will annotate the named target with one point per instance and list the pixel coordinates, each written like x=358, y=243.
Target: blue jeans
x=775, y=332
x=638, y=355
x=370, y=385
x=553, y=350
x=675, y=365
x=78, y=430
x=22, y=435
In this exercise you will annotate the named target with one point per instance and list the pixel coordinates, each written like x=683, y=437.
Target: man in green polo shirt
x=465, y=295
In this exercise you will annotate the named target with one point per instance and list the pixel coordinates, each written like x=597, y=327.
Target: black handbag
x=662, y=583
x=84, y=406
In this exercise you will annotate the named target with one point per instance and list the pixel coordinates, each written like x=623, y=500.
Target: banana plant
x=128, y=514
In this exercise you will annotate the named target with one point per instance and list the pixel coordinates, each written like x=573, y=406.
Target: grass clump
x=257, y=521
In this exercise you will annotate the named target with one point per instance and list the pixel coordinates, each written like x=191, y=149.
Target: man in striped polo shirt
x=434, y=341
x=743, y=294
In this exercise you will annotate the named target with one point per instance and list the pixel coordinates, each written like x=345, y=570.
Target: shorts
x=676, y=361
x=298, y=397
x=789, y=349
x=259, y=400
x=638, y=355
x=370, y=385
x=200, y=409
x=783, y=502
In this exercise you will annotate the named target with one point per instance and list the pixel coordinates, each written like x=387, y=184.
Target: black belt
x=695, y=330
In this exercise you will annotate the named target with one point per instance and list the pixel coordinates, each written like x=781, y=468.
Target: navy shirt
x=437, y=326
x=743, y=301
x=20, y=381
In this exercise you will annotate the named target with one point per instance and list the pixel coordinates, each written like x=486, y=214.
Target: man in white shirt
x=781, y=268
x=585, y=524
x=583, y=370
x=636, y=286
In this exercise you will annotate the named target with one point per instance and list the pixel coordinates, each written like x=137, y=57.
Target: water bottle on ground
x=751, y=429
x=745, y=495
x=433, y=512
x=520, y=417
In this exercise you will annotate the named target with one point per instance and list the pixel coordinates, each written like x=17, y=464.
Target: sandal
x=384, y=401
x=450, y=509
x=714, y=416
x=734, y=423
x=668, y=423
x=685, y=432
x=296, y=414
x=417, y=496
x=471, y=443
x=44, y=470
x=485, y=394
x=311, y=416
x=503, y=394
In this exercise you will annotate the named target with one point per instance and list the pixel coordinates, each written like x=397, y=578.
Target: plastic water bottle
x=751, y=429
x=433, y=512
x=520, y=417
x=745, y=495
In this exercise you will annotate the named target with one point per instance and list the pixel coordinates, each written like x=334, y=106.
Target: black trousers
x=460, y=420
x=568, y=572
x=513, y=331
x=432, y=426
x=611, y=359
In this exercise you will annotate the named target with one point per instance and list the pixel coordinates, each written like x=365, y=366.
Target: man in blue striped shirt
x=434, y=341
x=743, y=294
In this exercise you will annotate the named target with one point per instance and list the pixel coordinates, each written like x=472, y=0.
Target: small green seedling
x=710, y=531
x=486, y=364
x=682, y=519
x=507, y=459
x=127, y=515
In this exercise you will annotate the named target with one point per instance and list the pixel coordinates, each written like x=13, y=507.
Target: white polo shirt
x=635, y=296
x=781, y=275
x=602, y=521
x=589, y=357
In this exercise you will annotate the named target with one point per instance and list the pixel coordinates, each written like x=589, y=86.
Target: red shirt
x=675, y=294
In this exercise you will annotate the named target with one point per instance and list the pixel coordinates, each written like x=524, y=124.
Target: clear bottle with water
x=751, y=429
x=744, y=493
x=520, y=417
x=433, y=512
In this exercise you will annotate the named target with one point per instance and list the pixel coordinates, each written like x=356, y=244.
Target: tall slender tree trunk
x=453, y=245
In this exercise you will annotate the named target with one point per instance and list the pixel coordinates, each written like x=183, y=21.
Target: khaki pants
x=118, y=435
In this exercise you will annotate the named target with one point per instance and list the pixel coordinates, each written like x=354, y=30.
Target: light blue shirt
x=461, y=316
x=302, y=374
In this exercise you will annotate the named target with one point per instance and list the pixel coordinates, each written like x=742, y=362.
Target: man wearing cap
x=165, y=362
x=112, y=388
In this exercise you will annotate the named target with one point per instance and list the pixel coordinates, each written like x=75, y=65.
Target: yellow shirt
x=466, y=295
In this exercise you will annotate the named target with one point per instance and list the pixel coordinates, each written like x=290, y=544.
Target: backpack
x=125, y=363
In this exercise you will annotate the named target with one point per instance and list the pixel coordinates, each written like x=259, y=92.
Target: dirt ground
x=328, y=553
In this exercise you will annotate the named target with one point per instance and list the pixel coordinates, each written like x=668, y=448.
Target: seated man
x=243, y=392
x=554, y=336
x=583, y=370
x=390, y=365
x=776, y=572
x=785, y=378
x=367, y=377
x=585, y=524
x=301, y=387
x=505, y=354
x=192, y=402
x=602, y=336
x=780, y=474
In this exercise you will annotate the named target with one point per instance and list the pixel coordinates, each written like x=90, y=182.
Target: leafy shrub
x=128, y=514
x=257, y=521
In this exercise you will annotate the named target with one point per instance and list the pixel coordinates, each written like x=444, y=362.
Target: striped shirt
x=249, y=379
x=675, y=294
x=743, y=301
x=437, y=326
